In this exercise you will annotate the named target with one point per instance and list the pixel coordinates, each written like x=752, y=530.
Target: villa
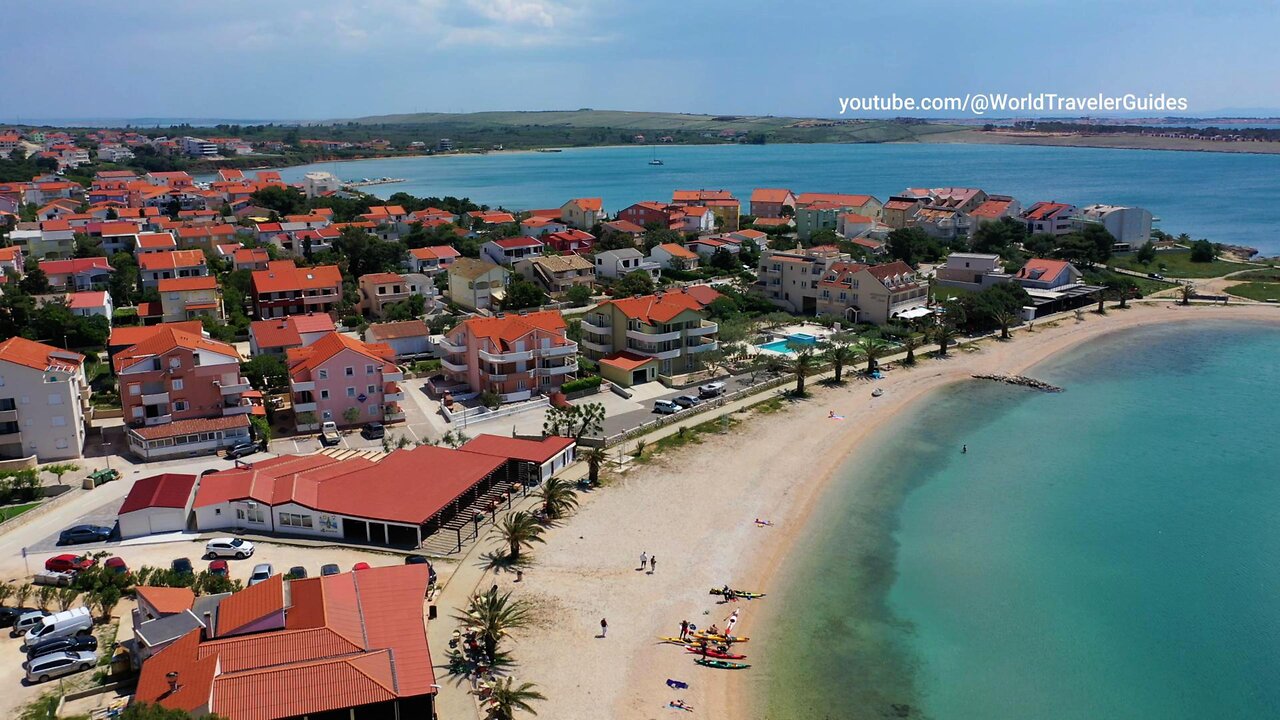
x=646, y=338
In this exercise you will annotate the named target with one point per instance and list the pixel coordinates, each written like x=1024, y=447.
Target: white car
x=228, y=547
x=710, y=390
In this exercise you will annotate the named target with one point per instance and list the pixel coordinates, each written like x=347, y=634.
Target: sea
x=1107, y=552
x=1225, y=197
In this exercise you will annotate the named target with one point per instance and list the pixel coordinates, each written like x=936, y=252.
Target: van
x=47, y=667
x=62, y=624
x=26, y=621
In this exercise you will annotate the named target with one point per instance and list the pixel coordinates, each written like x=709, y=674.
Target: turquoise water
x=1107, y=552
x=784, y=345
x=1225, y=197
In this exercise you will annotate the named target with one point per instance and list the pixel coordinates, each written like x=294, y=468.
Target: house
x=571, y=241
x=408, y=339
x=118, y=236
x=815, y=212
x=277, y=335
x=740, y=237
x=557, y=274
x=538, y=226
x=190, y=298
x=171, y=383
x=648, y=213
x=154, y=242
x=872, y=293
x=624, y=228
x=250, y=259
x=77, y=274
x=378, y=290
x=900, y=211
x=348, y=645
x=343, y=380
x=12, y=261
x=769, y=202
x=583, y=213
x=154, y=505
x=507, y=251
x=89, y=303
x=513, y=355
x=154, y=267
x=127, y=336
x=789, y=279
x=285, y=289
x=1052, y=218
x=538, y=460
x=706, y=247
x=477, y=284
x=944, y=223
x=965, y=200
x=56, y=239
x=698, y=219
x=1130, y=226
x=1042, y=274
x=855, y=225
x=480, y=218
x=971, y=271
x=616, y=263
x=205, y=236
x=721, y=202
x=44, y=401
x=994, y=208
x=431, y=260
x=646, y=338
x=674, y=256
x=318, y=183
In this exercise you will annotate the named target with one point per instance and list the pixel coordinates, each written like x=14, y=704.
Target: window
x=255, y=515
x=323, y=374
x=59, y=421
x=180, y=405
x=135, y=389
x=368, y=369
x=55, y=399
x=374, y=410
x=372, y=389
x=137, y=413
x=351, y=392
x=349, y=371
x=177, y=384
x=324, y=394
x=295, y=520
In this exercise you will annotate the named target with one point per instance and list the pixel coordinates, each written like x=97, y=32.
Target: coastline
x=1099, y=142
x=695, y=510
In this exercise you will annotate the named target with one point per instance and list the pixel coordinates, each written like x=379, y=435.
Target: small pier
x=1022, y=381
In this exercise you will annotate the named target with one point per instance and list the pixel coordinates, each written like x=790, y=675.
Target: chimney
x=172, y=677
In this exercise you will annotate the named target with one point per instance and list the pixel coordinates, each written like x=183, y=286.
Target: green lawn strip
x=1260, y=291
x=13, y=511
x=1177, y=263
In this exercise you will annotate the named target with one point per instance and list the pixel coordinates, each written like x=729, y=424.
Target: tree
x=411, y=308
x=505, y=698
x=493, y=617
x=943, y=333
x=557, y=496
x=1121, y=288
x=266, y=372
x=520, y=530
x=261, y=430
x=351, y=415
x=1004, y=317
x=579, y=295
x=722, y=259
x=871, y=349
x=575, y=421
x=998, y=237
x=1147, y=253
x=1202, y=251
x=596, y=457
x=523, y=294
x=910, y=343
x=66, y=597
x=60, y=469
x=1186, y=292
x=281, y=200
x=636, y=282
x=906, y=244
x=7, y=590
x=21, y=594
x=45, y=596
x=802, y=365
x=839, y=354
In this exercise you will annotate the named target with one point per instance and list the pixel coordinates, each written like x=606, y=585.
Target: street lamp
x=106, y=451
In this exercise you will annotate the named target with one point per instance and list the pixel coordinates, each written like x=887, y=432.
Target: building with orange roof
x=78, y=273
x=996, y=207
x=644, y=214
x=538, y=225
x=815, y=212
x=285, y=289
x=477, y=284
x=650, y=337
x=44, y=401
x=721, y=202
x=250, y=258
x=347, y=645
x=872, y=293
x=205, y=236
x=674, y=256
x=343, y=380
x=513, y=355
x=172, y=380
x=1052, y=218
x=788, y=278
x=509, y=251
x=378, y=291
x=12, y=261
x=277, y=335
x=583, y=213
x=190, y=298
x=769, y=202
x=157, y=266
x=1045, y=274
x=433, y=259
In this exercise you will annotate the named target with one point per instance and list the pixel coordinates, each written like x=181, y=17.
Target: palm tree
x=596, y=457
x=1004, y=317
x=1186, y=291
x=872, y=349
x=506, y=698
x=520, y=530
x=839, y=354
x=493, y=617
x=557, y=497
x=6, y=591
x=802, y=365
x=943, y=334
x=1103, y=294
x=45, y=596
x=66, y=597
x=910, y=343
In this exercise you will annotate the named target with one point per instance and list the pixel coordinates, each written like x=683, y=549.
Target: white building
x=157, y=504
x=315, y=184
x=197, y=147
x=43, y=400
x=1130, y=226
x=971, y=271
x=616, y=263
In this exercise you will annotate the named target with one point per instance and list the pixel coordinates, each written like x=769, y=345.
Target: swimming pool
x=782, y=346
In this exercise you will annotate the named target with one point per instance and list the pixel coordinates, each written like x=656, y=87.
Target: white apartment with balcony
x=44, y=401
x=651, y=337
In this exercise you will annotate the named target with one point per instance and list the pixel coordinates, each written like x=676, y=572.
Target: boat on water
x=656, y=161
x=722, y=664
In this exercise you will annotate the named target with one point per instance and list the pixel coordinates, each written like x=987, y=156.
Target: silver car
x=47, y=667
x=261, y=572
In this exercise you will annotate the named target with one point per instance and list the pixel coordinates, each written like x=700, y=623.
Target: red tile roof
x=38, y=356
x=205, y=282
x=87, y=300
x=626, y=360
x=166, y=600
x=156, y=240
x=678, y=250
x=771, y=195
x=534, y=451
x=251, y=605
x=402, y=329
x=506, y=330
x=662, y=307
x=194, y=676
x=437, y=252
x=304, y=360
x=170, y=490
x=517, y=242
x=171, y=260
x=189, y=427
x=1042, y=269
x=74, y=266
x=589, y=204
x=283, y=276
x=126, y=336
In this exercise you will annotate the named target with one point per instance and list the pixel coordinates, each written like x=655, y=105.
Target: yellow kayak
x=718, y=638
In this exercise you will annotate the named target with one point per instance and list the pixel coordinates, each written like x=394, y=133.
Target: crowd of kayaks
x=720, y=655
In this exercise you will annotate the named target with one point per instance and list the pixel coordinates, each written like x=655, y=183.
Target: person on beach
x=604, y=627
x=964, y=449
x=653, y=564
x=684, y=629
x=733, y=620
x=644, y=560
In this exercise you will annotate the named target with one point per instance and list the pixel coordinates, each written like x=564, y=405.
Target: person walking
x=644, y=560
x=684, y=629
x=653, y=564
x=604, y=627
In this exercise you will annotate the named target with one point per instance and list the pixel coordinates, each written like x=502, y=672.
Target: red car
x=218, y=567
x=116, y=565
x=69, y=563
x=360, y=566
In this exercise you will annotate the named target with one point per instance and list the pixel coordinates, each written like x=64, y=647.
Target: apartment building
x=44, y=401
x=1053, y=218
x=190, y=298
x=431, y=260
x=789, y=278
x=477, y=284
x=513, y=355
x=557, y=274
x=157, y=266
x=872, y=293
x=644, y=338
x=378, y=290
x=343, y=380
x=286, y=289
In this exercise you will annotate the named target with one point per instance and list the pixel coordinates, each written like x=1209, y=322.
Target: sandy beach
x=695, y=510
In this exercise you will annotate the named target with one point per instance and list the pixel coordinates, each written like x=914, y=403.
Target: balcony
x=301, y=407
x=158, y=420
x=8, y=437
x=656, y=354
x=8, y=416
x=396, y=396
x=707, y=328
x=495, y=377
x=239, y=387
x=237, y=410
x=558, y=350
x=155, y=398
x=447, y=346
x=300, y=386
x=597, y=329
x=557, y=370
x=596, y=347
x=392, y=375
x=507, y=356
x=653, y=337
x=704, y=347
x=451, y=366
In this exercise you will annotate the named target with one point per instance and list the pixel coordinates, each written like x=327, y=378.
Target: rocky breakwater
x=1022, y=381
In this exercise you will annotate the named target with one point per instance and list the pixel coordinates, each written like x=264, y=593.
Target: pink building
x=344, y=380
x=515, y=356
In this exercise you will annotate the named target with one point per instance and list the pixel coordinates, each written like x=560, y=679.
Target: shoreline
x=695, y=508
x=1096, y=142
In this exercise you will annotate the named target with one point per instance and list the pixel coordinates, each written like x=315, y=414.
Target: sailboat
x=655, y=160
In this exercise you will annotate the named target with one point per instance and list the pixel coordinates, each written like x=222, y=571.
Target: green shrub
x=586, y=383
x=490, y=399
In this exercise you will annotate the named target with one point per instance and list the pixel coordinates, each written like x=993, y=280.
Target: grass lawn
x=13, y=511
x=1267, y=275
x=1261, y=291
x=1177, y=263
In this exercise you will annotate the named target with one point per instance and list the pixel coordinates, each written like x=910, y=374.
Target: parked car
x=373, y=431
x=74, y=643
x=329, y=433
x=47, y=667
x=26, y=621
x=228, y=547
x=710, y=390
x=116, y=565
x=182, y=566
x=60, y=624
x=54, y=578
x=240, y=450
x=297, y=572
x=261, y=572
x=9, y=616
x=218, y=568
x=67, y=562
x=686, y=401
x=360, y=566
x=665, y=407
x=329, y=569
x=422, y=560
x=84, y=534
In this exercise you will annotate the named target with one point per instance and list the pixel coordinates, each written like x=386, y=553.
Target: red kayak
x=716, y=654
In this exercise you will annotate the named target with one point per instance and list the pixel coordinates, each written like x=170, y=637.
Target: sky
x=328, y=59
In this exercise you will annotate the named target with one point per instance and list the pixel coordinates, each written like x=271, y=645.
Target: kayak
x=717, y=654
x=722, y=664
x=718, y=638
x=675, y=640
x=741, y=594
